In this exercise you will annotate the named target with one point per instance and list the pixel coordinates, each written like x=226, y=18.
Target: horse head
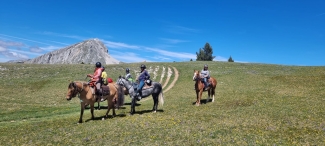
x=196, y=75
x=72, y=91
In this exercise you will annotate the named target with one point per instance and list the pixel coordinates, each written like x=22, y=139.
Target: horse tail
x=120, y=94
x=161, y=98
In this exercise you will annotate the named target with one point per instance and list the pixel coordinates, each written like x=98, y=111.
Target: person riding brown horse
x=205, y=74
x=86, y=97
x=96, y=78
x=199, y=87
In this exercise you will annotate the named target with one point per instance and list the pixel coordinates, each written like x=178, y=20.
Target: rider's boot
x=137, y=95
x=206, y=85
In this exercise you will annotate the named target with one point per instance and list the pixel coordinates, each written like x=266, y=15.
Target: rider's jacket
x=97, y=74
x=205, y=73
x=144, y=75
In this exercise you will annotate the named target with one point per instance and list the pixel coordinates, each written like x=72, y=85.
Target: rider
x=96, y=78
x=206, y=75
x=128, y=75
x=144, y=75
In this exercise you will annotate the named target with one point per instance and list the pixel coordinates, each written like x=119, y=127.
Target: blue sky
x=286, y=32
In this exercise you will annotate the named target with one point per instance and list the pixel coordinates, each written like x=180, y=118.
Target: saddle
x=208, y=82
x=103, y=91
x=147, y=85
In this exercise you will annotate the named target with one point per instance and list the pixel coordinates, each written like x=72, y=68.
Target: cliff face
x=87, y=52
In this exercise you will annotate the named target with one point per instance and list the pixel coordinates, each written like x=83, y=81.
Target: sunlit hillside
x=255, y=104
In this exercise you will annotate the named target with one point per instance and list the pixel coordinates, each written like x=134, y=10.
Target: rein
x=125, y=86
x=76, y=87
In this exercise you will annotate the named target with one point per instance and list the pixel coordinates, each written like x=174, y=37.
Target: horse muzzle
x=68, y=98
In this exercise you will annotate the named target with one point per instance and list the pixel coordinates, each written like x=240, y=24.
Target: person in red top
x=96, y=78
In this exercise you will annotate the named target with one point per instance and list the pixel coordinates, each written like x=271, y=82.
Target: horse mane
x=72, y=84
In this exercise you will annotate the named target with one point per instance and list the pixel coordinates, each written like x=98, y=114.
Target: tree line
x=205, y=54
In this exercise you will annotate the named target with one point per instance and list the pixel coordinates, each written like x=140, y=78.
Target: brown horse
x=86, y=96
x=199, y=87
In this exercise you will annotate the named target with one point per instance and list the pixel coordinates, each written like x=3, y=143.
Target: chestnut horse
x=86, y=96
x=199, y=87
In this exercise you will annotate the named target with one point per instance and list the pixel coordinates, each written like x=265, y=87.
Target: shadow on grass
x=146, y=111
x=203, y=101
x=103, y=107
x=136, y=104
x=109, y=117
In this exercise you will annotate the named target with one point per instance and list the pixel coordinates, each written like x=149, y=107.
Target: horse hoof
x=103, y=119
x=154, y=111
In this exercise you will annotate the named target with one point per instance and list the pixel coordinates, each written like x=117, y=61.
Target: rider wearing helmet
x=144, y=75
x=96, y=78
x=128, y=75
x=205, y=75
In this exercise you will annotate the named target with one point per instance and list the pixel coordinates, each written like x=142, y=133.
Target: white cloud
x=173, y=41
x=128, y=57
x=180, y=55
x=16, y=55
x=2, y=49
x=51, y=48
x=25, y=52
x=63, y=35
x=176, y=29
x=24, y=39
x=11, y=44
x=220, y=58
x=110, y=44
x=36, y=49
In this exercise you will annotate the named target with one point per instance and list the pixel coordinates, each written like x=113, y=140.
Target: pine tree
x=205, y=54
x=230, y=59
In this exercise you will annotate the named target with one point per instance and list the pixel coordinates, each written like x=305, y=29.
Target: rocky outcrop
x=87, y=52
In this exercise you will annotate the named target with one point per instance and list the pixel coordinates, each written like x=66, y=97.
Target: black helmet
x=127, y=70
x=143, y=66
x=205, y=65
x=103, y=68
x=98, y=64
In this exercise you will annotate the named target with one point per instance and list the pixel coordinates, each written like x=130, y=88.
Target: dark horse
x=155, y=90
x=199, y=87
x=86, y=96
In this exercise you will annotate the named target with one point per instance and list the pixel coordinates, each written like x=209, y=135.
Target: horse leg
x=200, y=97
x=98, y=105
x=213, y=93
x=197, y=98
x=132, y=106
x=209, y=93
x=82, y=105
x=92, y=111
x=155, y=102
x=110, y=105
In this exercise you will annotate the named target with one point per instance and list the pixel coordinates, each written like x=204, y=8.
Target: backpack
x=104, y=78
x=109, y=80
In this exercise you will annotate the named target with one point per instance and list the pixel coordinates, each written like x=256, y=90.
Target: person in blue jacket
x=144, y=75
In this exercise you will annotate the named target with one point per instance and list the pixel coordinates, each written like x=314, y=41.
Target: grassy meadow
x=255, y=104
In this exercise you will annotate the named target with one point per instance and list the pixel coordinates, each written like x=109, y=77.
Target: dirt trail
x=169, y=74
x=174, y=81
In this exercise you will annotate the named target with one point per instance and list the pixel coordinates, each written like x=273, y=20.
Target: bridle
x=75, y=90
x=196, y=76
x=122, y=84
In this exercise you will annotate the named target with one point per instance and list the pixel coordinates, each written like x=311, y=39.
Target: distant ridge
x=87, y=52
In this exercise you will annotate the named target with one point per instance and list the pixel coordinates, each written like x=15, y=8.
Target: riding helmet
x=103, y=68
x=98, y=64
x=143, y=66
x=206, y=65
x=127, y=70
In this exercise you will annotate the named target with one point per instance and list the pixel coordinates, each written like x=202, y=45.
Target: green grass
x=255, y=104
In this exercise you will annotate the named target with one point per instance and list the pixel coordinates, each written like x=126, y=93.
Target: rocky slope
x=87, y=52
